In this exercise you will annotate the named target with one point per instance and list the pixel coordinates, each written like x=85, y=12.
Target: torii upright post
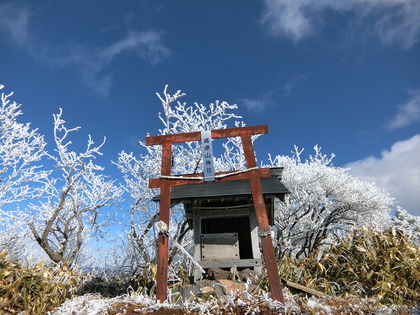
x=253, y=174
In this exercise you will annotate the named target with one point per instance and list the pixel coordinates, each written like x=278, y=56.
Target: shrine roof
x=270, y=186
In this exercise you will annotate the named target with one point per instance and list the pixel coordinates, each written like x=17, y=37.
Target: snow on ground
x=95, y=304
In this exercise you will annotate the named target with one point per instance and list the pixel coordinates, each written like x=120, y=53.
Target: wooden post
x=262, y=220
x=163, y=240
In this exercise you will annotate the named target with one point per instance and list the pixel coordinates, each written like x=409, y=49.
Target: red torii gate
x=253, y=175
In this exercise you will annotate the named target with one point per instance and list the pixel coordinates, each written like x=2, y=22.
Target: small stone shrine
x=222, y=216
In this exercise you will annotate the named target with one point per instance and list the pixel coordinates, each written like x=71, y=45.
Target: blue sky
x=341, y=74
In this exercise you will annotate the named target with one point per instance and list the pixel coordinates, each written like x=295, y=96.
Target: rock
x=203, y=287
x=217, y=274
x=231, y=287
x=217, y=284
x=207, y=289
x=248, y=274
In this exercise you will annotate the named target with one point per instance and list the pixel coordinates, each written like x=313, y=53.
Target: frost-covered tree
x=325, y=202
x=21, y=148
x=176, y=118
x=410, y=224
x=69, y=212
x=21, y=174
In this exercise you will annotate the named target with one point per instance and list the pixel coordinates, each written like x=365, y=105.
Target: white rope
x=268, y=233
x=162, y=227
x=216, y=176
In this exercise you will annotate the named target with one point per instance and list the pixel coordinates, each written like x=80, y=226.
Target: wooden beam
x=240, y=263
x=303, y=288
x=174, y=181
x=215, y=134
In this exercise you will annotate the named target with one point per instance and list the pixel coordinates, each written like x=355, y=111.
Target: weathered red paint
x=262, y=220
x=266, y=241
x=253, y=176
x=215, y=134
x=163, y=241
x=179, y=180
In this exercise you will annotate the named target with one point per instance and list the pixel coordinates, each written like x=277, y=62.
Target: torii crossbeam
x=166, y=181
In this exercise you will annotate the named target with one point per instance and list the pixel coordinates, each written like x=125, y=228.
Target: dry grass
x=366, y=264
x=366, y=271
x=33, y=290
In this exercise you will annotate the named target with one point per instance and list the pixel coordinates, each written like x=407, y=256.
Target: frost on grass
x=95, y=304
x=92, y=304
x=236, y=303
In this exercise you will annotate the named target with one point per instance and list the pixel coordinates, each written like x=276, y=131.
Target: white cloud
x=270, y=97
x=258, y=104
x=90, y=63
x=147, y=45
x=408, y=113
x=393, y=21
x=287, y=18
x=252, y=104
x=397, y=171
x=14, y=23
x=294, y=83
x=399, y=21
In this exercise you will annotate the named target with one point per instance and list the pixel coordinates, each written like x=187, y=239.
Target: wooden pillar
x=262, y=220
x=163, y=239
